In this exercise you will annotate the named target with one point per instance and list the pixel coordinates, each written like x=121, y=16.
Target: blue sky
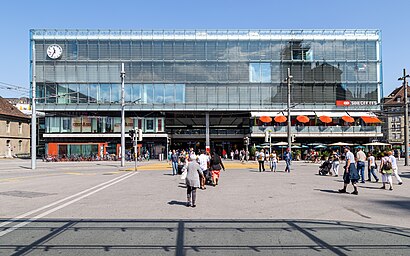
x=17, y=17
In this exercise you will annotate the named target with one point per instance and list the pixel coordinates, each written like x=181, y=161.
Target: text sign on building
x=343, y=103
x=346, y=103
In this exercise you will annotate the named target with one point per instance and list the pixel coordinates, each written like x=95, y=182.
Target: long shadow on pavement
x=202, y=237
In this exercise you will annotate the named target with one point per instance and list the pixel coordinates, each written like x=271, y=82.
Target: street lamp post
x=33, y=110
x=122, y=75
x=406, y=118
x=288, y=77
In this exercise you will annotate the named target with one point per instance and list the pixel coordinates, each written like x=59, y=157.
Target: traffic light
x=132, y=134
x=168, y=140
x=293, y=138
x=246, y=140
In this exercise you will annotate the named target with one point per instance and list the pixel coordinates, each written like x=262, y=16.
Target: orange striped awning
x=371, y=119
x=348, y=119
x=325, y=119
x=302, y=119
x=280, y=119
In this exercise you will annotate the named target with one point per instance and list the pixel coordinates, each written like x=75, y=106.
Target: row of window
x=8, y=127
x=212, y=50
x=92, y=124
x=111, y=93
x=205, y=72
x=9, y=146
x=206, y=95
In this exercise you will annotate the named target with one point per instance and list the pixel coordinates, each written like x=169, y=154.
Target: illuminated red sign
x=343, y=103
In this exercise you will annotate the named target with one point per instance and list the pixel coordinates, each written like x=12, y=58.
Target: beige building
x=14, y=131
x=393, y=110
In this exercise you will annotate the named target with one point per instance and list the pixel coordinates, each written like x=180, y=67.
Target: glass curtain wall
x=204, y=72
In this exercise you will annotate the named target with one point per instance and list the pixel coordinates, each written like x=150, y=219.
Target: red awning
x=265, y=119
x=371, y=119
x=348, y=119
x=303, y=119
x=280, y=119
x=325, y=119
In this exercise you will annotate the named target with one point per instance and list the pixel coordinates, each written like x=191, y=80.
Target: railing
x=313, y=130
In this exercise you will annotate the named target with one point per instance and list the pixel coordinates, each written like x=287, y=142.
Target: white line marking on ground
x=61, y=200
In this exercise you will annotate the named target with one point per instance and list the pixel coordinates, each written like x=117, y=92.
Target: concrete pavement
x=96, y=207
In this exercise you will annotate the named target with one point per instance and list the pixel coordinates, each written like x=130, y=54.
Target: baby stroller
x=324, y=169
x=208, y=176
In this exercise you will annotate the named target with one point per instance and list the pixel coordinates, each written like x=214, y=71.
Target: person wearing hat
x=192, y=180
x=350, y=175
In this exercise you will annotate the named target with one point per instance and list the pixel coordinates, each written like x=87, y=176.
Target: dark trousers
x=261, y=166
x=191, y=194
x=287, y=168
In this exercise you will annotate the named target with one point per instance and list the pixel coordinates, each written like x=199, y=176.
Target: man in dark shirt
x=174, y=159
x=288, y=158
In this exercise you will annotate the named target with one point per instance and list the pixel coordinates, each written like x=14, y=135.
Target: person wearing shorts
x=216, y=166
x=350, y=175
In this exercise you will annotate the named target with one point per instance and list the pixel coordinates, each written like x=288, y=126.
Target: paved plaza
x=99, y=208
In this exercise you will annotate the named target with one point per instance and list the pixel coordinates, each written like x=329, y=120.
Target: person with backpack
x=386, y=169
x=216, y=166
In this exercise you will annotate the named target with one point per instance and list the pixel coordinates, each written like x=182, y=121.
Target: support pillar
x=207, y=138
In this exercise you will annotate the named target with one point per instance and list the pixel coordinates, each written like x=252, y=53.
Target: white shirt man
x=203, y=161
x=395, y=168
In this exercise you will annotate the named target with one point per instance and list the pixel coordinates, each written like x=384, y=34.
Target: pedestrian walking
x=287, y=156
x=361, y=160
x=350, y=175
x=386, y=169
x=192, y=182
x=174, y=160
x=273, y=160
x=216, y=166
x=395, y=168
x=203, y=160
x=335, y=164
x=371, y=167
x=261, y=160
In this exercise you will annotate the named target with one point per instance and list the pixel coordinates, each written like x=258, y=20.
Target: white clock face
x=54, y=51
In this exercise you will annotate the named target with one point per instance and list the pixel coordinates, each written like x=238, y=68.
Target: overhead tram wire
x=12, y=87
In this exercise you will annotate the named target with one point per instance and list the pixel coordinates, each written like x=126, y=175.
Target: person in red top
x=224, y=153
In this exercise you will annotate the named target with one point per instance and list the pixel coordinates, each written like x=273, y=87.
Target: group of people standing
x=196, y=171
x=273, y=159
x=355, y=169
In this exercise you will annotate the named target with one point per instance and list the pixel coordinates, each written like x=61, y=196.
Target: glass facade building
x=179, y=75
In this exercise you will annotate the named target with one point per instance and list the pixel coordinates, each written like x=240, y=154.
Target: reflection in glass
x=105, y=90
x=148, y=93
x=169, y=93
x=116, y=93
x=93, y=93
x=158, y=93
x=83, y=93
x=136, y=92
x=73, y=93
x=180, y=93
